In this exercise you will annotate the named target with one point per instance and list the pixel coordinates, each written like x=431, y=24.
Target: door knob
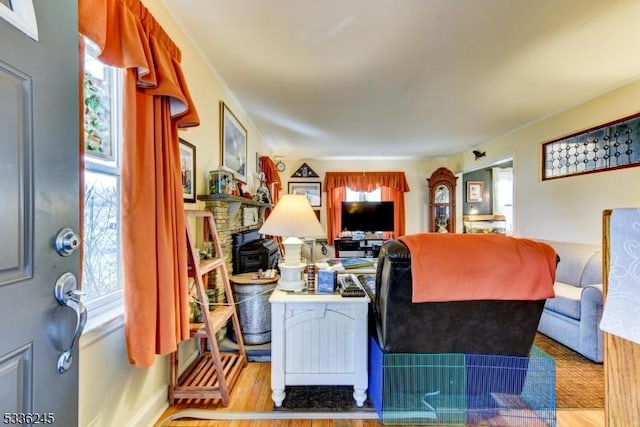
x=67, y=241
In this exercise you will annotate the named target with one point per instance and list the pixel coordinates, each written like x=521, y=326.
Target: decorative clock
x=442, y=201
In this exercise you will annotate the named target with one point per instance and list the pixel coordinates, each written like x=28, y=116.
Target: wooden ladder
x=212, y=374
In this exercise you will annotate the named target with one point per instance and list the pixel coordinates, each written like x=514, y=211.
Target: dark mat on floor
x=322, y=398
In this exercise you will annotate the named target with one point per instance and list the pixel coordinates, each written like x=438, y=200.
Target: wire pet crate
x=459, y=389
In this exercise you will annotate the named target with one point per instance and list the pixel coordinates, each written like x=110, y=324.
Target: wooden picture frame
x=475, y=191
x=310, y=189
x=188, y=169
x=233, y=143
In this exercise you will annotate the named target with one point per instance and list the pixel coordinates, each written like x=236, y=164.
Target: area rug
x=579, y=384
x=322, y=399
x=579, y=381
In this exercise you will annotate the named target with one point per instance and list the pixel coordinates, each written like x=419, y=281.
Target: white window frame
x=106, y=308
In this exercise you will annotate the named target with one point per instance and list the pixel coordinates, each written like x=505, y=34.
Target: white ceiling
x=409, y=78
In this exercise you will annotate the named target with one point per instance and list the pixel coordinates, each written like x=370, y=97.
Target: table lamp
x=292, y=218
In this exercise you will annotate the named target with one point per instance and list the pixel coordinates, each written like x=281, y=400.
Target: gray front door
x=38, y=197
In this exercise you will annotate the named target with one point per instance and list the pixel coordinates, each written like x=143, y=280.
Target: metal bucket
x=254, y=311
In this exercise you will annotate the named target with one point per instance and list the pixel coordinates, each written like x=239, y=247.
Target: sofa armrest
x=394, y=270
x=591, y=296
x=591, y=300
x=591, y=337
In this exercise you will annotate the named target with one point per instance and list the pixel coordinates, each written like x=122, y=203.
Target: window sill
x=101, y=321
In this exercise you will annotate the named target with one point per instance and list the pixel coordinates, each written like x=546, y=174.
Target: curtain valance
x=129, y=37
x=365, y=181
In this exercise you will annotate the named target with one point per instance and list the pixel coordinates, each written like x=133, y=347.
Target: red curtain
x=366, y=181
x=397, y=197
x=273, y=178
x=393, y=186
x=335, y=196
x=274, y=185
x=156, y=103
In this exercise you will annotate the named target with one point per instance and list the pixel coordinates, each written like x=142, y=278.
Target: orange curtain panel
x=156, y=104
x=273, y=178
x=397, y=197
x=393, y=186
x=335, y=196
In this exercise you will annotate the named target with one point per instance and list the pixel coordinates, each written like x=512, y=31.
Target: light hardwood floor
x=252, y=396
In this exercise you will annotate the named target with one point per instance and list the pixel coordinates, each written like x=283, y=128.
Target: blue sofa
x=573, y=316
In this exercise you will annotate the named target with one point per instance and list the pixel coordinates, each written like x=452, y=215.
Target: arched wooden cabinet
x=442, y=201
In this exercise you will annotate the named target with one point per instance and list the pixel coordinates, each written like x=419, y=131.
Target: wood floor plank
x=252, y=393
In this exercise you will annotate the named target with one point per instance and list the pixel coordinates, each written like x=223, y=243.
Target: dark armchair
x=498, y=327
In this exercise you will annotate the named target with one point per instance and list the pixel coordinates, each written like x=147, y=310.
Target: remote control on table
x=350, y=287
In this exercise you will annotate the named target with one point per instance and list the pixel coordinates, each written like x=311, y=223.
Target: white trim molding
x=22, y=16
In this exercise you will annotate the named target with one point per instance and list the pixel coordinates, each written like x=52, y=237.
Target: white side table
x=318, y=339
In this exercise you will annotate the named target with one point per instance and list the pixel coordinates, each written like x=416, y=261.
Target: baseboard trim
x=205, y=414
x=153, y=410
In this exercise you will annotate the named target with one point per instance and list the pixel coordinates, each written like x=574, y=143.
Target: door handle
x=67, y=294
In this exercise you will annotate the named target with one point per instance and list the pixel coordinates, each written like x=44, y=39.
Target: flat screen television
x=367, y=216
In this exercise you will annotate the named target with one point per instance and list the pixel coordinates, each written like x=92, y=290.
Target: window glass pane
x=101, y=235
x=362, y=196
x=98, y=81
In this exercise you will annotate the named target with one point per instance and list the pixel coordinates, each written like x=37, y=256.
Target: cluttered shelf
x=349, y=247
x=491, y=224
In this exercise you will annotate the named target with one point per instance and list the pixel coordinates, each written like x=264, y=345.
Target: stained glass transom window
x=611, y=146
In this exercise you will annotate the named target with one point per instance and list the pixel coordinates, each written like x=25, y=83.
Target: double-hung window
x=102, y=261
x=363, y=196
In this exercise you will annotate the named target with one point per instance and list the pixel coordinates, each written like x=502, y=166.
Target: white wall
x=567, y=209
x=112, y=392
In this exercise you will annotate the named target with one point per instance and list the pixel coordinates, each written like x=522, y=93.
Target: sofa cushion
x=580, y=264
x=592, y=274
x=566, y=301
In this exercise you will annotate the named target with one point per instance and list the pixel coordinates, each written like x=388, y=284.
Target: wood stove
x=251, y=252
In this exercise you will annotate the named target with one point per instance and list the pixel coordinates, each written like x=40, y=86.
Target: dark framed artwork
x=188, y=169
x=233, y=143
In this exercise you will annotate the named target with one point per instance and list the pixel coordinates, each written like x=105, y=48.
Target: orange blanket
x=460, y=267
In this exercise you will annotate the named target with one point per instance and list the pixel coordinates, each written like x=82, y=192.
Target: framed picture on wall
x=475, y=189
x=233, y=143
x=309, y=189
x=188, y=168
